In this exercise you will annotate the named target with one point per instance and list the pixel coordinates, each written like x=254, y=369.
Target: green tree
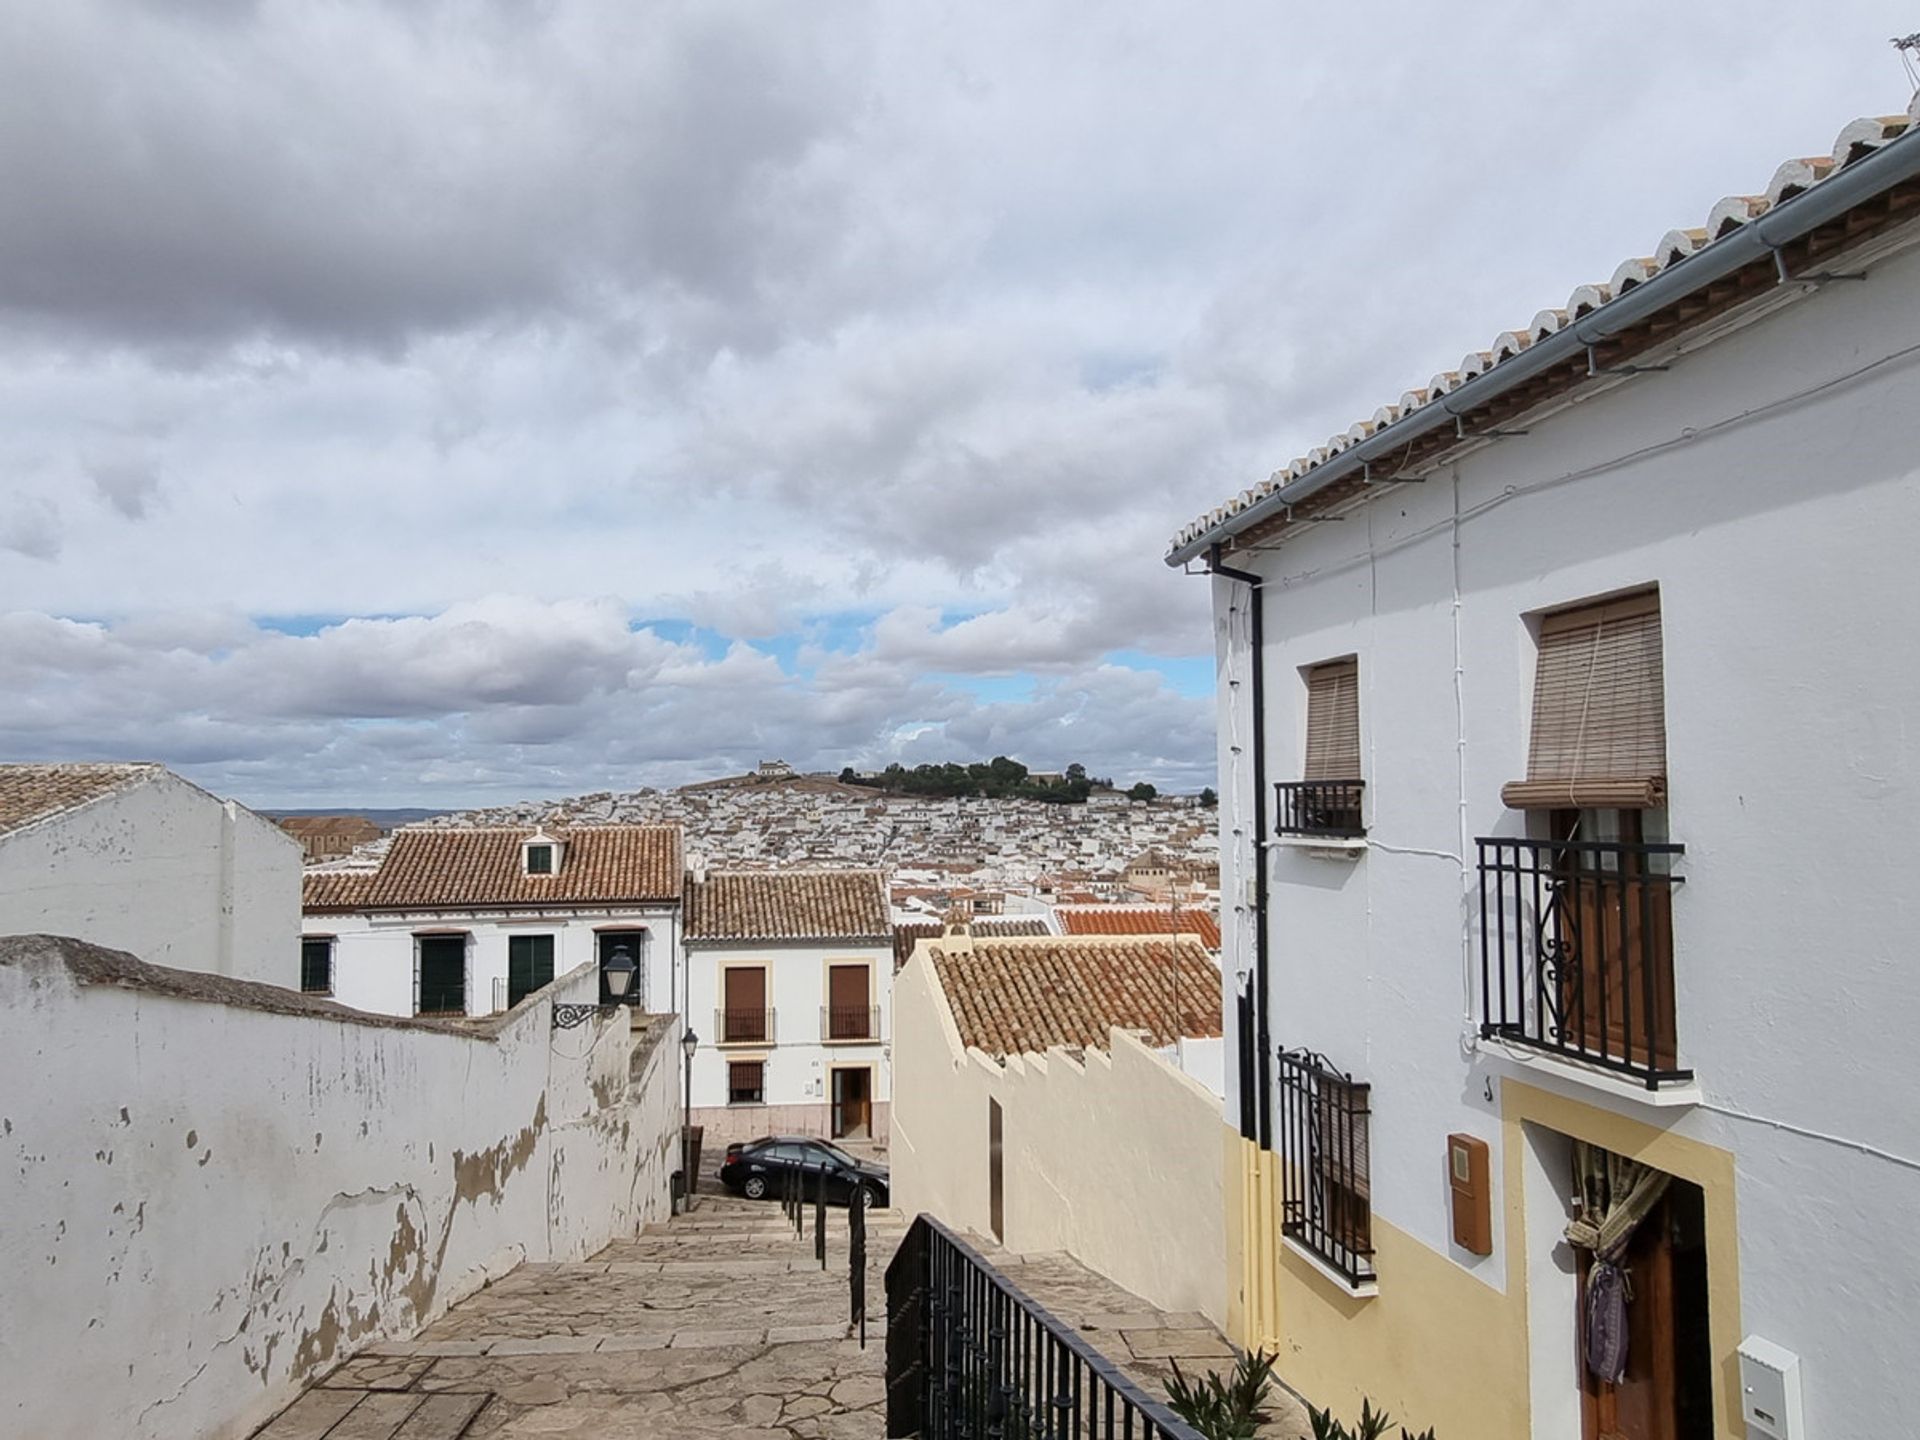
x=1208, y=798
x=1142, y=791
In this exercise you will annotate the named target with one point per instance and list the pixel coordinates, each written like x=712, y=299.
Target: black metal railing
x=857, y=1266
x=1325, y=1152
x=970, y=1354
x=850, y=1022
x=1328, y=809
x=743, y=1027
x=1576, y=952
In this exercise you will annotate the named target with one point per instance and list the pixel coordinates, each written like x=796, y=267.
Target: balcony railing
x=843, y=1022
x=1576, y=952
x=1326, y=1162
x=970, y=1354
x=1322, y=809
x=743, y=1027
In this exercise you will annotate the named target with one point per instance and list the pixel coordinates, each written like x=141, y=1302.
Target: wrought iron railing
x=850, y=1022
x=1327, y=809
x=970, y=1354
x=1576, y=952
x=1326, y=1164
x=743, y=1027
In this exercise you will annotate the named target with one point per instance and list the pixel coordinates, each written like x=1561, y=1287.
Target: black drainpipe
x=1262, y=1059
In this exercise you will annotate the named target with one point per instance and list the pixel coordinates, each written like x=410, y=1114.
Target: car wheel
x=867, y=1197
x=755, y=1188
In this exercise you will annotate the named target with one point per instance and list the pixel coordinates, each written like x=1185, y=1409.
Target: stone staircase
x=718, y=1322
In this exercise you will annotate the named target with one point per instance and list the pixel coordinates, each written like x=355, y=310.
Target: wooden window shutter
x=1333, y=721
x=1599, y=732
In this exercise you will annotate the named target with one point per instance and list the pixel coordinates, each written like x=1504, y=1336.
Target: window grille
x=1326, y=1197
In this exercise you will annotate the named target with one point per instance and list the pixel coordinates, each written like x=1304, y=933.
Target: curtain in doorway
x=1615, y=1195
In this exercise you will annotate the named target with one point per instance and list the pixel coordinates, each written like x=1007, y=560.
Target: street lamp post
x=689, y=1042
x=618, y=973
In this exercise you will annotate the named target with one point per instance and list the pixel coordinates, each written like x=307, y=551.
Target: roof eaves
x=1810, y=194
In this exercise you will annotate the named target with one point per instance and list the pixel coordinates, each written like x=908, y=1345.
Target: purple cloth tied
x=1607, y=1322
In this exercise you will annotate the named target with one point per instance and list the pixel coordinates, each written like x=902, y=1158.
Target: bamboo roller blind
x=1599, y=734
x=1333, y=721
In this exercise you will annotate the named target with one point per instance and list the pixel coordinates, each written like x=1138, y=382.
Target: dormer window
x=540, y=854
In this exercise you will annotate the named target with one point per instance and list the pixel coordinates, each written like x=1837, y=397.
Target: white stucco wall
x=374, y=955
x=1114, y=1159
x=210, y=1200
x=798, y=1062
x=165, y=870
x=1770, y=485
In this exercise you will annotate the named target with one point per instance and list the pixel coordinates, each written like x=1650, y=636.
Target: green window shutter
x=316, y=967
x=529, y=965
x=443, y=975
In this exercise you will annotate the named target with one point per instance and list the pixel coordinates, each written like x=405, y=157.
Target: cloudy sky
x=411, y=403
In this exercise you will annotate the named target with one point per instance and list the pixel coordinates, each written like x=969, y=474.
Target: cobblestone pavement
x=720, y=1322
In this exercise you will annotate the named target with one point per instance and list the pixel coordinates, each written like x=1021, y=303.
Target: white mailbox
x=1770, y=1390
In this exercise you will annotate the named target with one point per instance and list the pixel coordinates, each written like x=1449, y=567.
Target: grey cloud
x=129, y=486
x=30, y=526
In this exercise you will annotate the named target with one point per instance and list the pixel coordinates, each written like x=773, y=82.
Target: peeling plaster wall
x=167, y=871
x=1114, y=1159
x=215, y=1191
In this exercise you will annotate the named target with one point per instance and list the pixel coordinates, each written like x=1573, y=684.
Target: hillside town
x=994, y=855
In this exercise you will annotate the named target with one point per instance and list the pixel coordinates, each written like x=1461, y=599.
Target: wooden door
x=745, y=1006
x=847, y=1010
x=1666, y=1393
x=1616, y=924
x=853, y=1104
x=996, y=1173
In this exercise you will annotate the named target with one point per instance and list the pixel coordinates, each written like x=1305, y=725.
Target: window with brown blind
x=746, y=1082
x=1598, y=738
x=744, y=1016
x=1333, y=721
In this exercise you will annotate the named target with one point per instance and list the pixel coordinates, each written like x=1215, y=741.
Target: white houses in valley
x=133, y=857
x=789, y=980
x=469, y=921
x=1569, y=775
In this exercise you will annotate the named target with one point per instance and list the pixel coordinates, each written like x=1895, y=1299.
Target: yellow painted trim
x=1707, y=1166
x=1439, y=1346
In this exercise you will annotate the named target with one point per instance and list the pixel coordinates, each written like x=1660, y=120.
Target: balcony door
x=847, y=1009
x=853, y=1103
x=744, y=1002
x=1615, y=930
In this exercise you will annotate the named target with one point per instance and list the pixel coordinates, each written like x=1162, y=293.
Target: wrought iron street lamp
x=617, y=974
x=689, y=1042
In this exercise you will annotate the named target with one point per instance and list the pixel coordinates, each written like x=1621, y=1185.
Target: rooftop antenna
x=1909, y=48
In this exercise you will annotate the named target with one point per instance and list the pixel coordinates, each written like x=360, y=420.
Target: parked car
x=757, y=1170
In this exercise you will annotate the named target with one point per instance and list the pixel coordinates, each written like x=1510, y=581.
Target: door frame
x=834, y=1072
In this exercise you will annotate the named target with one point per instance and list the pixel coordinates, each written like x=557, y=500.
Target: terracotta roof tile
x=34, y=792
x=1012, y=997
x=905, y=937
x=335, y=889
x=1856, y=141
x=789, y=905
x=456, y=868
x=1140, y=920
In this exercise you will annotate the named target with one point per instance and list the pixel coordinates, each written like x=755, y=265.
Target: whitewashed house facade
x=1569, y=775
x=468, y=921
x=135, y=858
x=790, y=984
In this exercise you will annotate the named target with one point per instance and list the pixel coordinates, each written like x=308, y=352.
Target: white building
x=1571, y=702
x=790, y=982
x=469, y=921
x=133, y=857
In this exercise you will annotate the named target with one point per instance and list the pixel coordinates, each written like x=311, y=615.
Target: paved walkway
x=717, y=1323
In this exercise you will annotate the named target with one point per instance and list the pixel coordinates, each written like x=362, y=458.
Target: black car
x=757, y=1169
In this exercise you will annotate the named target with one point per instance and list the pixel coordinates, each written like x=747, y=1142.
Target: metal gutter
x=1896, y=161
x=1262, y=1058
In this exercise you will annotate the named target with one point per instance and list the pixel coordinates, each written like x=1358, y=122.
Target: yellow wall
x=1111, y=1158
x=1437, y=1346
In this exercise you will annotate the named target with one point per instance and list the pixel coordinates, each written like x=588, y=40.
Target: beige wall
x=1115, y=1160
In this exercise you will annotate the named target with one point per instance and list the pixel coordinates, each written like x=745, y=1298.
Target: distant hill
x=385, y=819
